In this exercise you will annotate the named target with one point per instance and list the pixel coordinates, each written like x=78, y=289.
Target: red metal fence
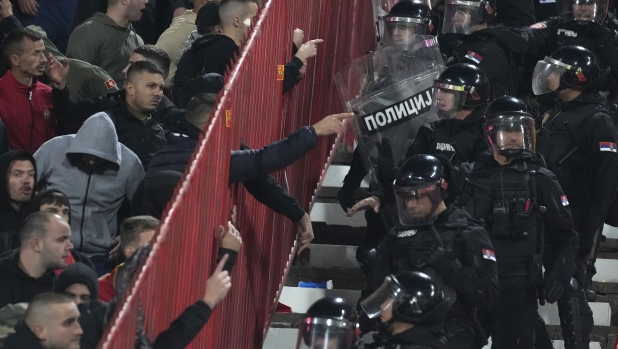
x=250, y=108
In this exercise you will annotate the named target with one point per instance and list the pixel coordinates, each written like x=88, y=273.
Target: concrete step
x=333, y=256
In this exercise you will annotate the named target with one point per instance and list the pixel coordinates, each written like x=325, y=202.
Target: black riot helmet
x=420, y=177
x=509, y=127
x=568, y=67
x=460, y=86
x=405, y=19
x=463, y=16
x=329, y=323
x=416, y=298
x=584, y=11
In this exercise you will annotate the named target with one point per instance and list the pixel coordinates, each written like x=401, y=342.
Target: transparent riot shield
x=391, y=91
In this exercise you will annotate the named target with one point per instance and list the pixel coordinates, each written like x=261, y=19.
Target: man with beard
x=18, y=175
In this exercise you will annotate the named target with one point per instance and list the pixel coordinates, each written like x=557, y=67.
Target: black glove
x=553, y=290
x=346, y=196
x=386, y=163
x=602, y=36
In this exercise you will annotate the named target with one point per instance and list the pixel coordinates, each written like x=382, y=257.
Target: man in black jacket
x=18, y=178
x=248, y=165
x=51, y=322
x=45, y=247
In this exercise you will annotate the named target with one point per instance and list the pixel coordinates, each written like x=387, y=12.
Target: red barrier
x=250, y=108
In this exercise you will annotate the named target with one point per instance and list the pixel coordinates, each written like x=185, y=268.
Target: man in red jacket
x=26, y=106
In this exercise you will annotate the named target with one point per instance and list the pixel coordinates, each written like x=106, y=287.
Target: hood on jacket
x=158, y=191
x=5, y=161
x=105, y=19
x=78, y=273
x=35, y=204
x=210, y=40
x=97, y=137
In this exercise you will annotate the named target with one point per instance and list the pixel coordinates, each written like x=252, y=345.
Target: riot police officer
x=516, y=196
x=405, y=19
x=461, y=93
x=475, y=43
x=578, y=140
x=412, y=307
x=581, y=24
x=330, y=323
x=438, y=240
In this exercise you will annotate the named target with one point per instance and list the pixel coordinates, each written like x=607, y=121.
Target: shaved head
x=228, y=9
x=53, y=319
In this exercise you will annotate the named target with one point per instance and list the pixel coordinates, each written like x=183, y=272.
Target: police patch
x=406, y=233
x=539, y=25
x=564, y=200
x=608, y=146
x=489, y=254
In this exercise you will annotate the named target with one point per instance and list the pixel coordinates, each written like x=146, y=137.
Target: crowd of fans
x=102, y=104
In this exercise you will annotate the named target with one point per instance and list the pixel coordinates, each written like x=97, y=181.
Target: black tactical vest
x=502, y=197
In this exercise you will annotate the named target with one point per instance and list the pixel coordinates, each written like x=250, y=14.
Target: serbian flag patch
x=608, y=146
x=564, y=200
x=473, y=56
x=489, y=254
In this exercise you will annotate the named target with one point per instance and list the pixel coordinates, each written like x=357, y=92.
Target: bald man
x=44, y=247
x=50, y=323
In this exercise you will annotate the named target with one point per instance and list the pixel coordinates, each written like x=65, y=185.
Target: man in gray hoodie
x=108, y=39
x=96, y=173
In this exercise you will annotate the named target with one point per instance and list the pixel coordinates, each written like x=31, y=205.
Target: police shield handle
x=218, y=285
x=331, y=124
x=372, y=202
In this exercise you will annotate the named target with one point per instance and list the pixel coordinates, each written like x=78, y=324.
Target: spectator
x=55, y=17
x=156, y=193
x=207, y=22
x=18, y=176
x=26, y=104
x=134, y=232
x=54, y=201
x=96, y=173
x=141, y=114
x=29, y=270
x=84, y=80
x=79, y=282
x=153, y=54
x=51, y=322
x=173, y=39
x=212, y=53
x=108, y=39
x=249, y=166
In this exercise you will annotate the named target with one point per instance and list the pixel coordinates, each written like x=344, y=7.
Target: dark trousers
x=511, y=322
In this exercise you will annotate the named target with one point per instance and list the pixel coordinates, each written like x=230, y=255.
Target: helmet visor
x=585, y=10
x=546, y=76
x=462, y=17
x=321, y=333
x=448, y=99
x=511, y=134
x=417, y=206
x=381, y=299
x=401, y=30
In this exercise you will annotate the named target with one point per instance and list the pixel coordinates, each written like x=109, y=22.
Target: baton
x=573, y=137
